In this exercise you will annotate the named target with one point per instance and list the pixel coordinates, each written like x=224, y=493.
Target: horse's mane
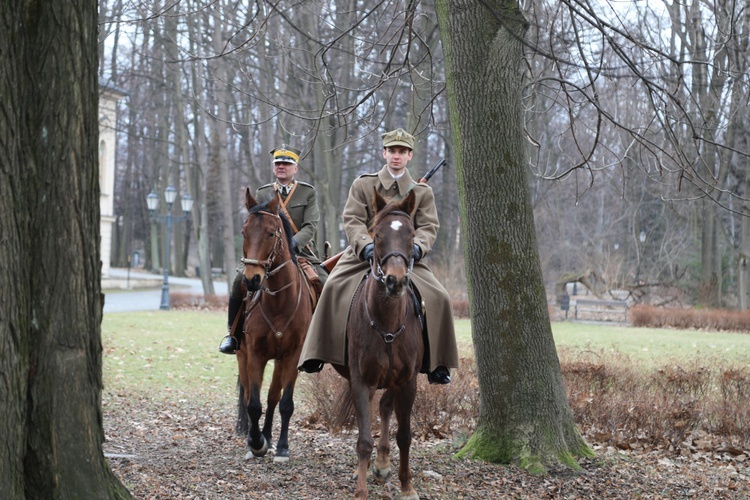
x=288, y=231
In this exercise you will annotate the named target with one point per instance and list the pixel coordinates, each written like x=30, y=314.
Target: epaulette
x=305, y=184
x=266, y=186
x=371, y=174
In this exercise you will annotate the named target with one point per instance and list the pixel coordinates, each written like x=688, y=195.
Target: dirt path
x=170, y=450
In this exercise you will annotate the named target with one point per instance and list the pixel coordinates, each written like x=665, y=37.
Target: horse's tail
x=343, y=409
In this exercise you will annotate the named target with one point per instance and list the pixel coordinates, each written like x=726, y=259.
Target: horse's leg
x=286, y=409
x=382, y=466
x=244, y=380
x=242, y=424
x=362, y=396
x=404, y=401
x=274, y=393
x=255, y=440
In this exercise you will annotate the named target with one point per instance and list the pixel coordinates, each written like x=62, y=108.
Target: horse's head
x=266, y=244
x=392, y=232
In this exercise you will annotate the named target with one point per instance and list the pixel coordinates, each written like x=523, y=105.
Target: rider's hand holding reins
x=416, y=252
x=367, y=252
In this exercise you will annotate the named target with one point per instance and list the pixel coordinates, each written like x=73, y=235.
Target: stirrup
x=229, y=345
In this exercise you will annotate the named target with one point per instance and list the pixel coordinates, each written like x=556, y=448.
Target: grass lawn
x=175, y=353
x=655, y=346
x=167, y=352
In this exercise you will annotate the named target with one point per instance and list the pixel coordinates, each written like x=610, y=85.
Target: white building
x=108, y=97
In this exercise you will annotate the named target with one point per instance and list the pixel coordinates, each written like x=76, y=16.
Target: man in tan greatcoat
x=326, y=336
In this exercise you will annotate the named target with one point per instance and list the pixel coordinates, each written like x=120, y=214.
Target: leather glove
x=367, y=252
x=416, y=252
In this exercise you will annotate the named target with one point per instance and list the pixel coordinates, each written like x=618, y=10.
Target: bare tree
x=524, y=415
x=625, y=124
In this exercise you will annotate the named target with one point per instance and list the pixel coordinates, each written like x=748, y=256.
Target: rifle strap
x=282, y=204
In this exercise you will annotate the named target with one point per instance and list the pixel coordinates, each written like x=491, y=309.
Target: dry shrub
x=613, y=401
x=438, y=410
x=325, y=392
x=711, y=319
x=616, y=403
x=734, y=384
x=179, y=300
x=461, y=308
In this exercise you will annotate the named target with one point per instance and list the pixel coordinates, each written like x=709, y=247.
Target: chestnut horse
x=277, y=313
x=385, y=345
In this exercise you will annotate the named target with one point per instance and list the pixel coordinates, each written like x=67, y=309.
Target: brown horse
x=277, y=313
x=385, y=346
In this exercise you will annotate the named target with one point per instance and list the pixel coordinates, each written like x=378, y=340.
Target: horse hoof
x=409, y=496
x=381, y=474
x=281, y=456
x=260, y=452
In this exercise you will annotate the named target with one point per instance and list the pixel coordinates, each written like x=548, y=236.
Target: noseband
x=277, y=245
x=377, y=272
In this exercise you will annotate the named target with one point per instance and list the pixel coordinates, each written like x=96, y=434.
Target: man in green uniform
x=326, y=336
x=298, y=201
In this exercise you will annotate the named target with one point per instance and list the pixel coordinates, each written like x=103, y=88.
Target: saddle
x=313, y=280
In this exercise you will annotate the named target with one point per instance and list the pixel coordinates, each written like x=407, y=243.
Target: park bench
x=601, y=310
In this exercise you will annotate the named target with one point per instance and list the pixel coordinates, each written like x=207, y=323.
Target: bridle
x=376, y=272
x=278, y=244
x=376, y=264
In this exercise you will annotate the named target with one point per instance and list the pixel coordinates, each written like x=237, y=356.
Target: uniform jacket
x=302, y=207
x=326, y=336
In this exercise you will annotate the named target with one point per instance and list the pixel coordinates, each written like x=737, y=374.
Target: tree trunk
x=51, y=300
x=219, y=132
x=524, y=417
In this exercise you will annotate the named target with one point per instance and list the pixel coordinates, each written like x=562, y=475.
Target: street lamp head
x=170, y=193
x=152, y=201
x=187, y=203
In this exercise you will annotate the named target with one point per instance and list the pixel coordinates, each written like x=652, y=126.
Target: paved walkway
x=141, y=291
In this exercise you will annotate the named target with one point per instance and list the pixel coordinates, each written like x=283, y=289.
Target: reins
x=268, y=262
x=270, y=273
x=280, y=333
x=388, y=337
x=376, y=272
x=375, y=265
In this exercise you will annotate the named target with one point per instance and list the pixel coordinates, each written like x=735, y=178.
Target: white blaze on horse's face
x=396, y=225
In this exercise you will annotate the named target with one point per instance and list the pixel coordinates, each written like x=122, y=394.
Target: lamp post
x=152, y=201
x=642, y=239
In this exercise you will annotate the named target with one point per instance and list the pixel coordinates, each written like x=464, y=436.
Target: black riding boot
x=231, y=342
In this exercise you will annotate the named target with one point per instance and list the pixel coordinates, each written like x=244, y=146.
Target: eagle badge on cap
x=285, y=154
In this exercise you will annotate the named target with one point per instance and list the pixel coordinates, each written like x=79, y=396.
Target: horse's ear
x=273, y=205
x=378, y=202
x=409, y=203
x=249, y=199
